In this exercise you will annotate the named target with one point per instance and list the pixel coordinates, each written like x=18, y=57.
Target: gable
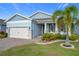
x=18, y=21
x=17, y=17
x=40, y=15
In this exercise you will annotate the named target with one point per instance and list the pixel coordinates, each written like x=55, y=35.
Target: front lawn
x=53, y=49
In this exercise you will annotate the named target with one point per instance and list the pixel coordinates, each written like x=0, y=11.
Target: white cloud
x=16, y=7
x=64, y=5
x=60, y=6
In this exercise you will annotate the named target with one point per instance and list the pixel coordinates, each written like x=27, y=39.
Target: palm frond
x=60, y=22
x=56, y=14
x=72, y=10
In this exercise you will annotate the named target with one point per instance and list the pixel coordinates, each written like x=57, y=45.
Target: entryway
x=46, y=28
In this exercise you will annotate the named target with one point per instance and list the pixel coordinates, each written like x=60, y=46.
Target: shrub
x=51, y=36
x=3, y=35
x=73, y=37
x=59, y=36
x=48, y=37
x=77, y=36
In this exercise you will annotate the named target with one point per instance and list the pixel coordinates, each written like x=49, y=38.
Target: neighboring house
x=37, y=24
x=2, y=25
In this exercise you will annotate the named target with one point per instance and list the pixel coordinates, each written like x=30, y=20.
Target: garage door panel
x=20, y=33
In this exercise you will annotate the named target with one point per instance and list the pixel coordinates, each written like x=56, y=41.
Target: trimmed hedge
x=51, y=36
x=48, y=37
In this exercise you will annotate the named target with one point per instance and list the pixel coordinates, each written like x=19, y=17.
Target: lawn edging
x=45, y=43
x=72, y=46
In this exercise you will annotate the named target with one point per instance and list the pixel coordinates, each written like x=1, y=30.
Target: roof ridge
x=39, y=11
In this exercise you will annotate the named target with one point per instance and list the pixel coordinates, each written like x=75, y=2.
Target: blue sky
x=27, y=9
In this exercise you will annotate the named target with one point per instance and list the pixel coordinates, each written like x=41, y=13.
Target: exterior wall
x=3, y=28
x=19, y=22
x=36, y=29
x=17, y=18
x=25, y=23
x=40, y=15
x=0, y=28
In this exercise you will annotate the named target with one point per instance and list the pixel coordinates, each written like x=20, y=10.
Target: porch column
x=56, y=28
x=45, y=27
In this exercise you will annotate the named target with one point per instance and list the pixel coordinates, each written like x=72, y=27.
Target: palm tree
x=72, y=11
x=65, y=17
x=57, y=18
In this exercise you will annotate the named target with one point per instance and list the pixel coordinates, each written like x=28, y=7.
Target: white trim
x=17, y=14
x=45, y=27
x=24, y=21
x=43, y=12
x=44, y=21
x=56, y=28
x=25, y=16
x=39, y=12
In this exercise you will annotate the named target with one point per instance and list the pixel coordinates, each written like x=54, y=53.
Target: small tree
x=65, y=17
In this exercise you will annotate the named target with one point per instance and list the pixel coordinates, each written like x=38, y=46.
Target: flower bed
x=51, y=36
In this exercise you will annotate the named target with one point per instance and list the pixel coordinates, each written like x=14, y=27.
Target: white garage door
x=20, y=33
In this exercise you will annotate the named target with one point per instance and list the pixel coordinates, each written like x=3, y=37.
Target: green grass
x=42, y=50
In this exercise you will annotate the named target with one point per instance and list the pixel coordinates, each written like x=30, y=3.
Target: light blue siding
x=3, y=28
x=0, y=28
x=17, y=18
x=40, y=15
x=19, y=21
x=27, y=24
x=36, y=29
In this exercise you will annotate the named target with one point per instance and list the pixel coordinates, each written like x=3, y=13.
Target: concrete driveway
x=11, y=42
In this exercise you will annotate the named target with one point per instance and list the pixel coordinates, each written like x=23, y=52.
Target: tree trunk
x=67, y=36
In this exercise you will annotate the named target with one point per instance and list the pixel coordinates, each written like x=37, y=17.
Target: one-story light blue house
x=19, y=26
